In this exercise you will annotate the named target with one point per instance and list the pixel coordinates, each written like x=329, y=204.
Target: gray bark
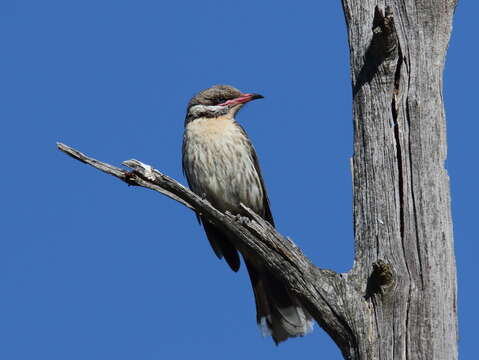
x=399, y=299
x=401, y=188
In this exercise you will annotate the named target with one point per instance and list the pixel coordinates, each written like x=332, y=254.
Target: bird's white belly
x=219, y=165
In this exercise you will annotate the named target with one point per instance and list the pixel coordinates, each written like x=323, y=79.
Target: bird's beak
x=254, y=96
x=243, y=99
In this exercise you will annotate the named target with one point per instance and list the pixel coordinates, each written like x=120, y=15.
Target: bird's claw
x=243, y=220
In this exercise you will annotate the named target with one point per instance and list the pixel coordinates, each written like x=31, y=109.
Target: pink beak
x=243, y=99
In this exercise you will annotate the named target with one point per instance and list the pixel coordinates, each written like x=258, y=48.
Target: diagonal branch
x=326, y=294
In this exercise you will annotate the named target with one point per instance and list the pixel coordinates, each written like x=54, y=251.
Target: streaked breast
x=219, y=164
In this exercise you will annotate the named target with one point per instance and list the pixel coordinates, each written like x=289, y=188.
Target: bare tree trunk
x=401, y=188
x=399, y=299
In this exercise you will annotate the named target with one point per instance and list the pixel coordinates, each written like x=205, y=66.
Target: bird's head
x=217, y=101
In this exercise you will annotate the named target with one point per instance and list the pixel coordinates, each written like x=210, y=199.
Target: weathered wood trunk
x=401, y=189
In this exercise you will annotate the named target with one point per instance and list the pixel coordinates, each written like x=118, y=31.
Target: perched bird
x=221, y=165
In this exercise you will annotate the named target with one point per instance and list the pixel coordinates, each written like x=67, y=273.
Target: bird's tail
x=277, y=313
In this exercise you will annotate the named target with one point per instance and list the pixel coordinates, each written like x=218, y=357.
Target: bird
x=221, y=165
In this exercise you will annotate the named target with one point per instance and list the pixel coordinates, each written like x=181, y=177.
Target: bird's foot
x=130, y=178
x=243, y=220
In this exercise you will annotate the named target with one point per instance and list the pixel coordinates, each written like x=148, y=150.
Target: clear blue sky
x=93, y=269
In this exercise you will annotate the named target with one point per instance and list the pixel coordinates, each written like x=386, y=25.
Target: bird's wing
x=183, y=167
x=221, y=245
x=267, y=215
